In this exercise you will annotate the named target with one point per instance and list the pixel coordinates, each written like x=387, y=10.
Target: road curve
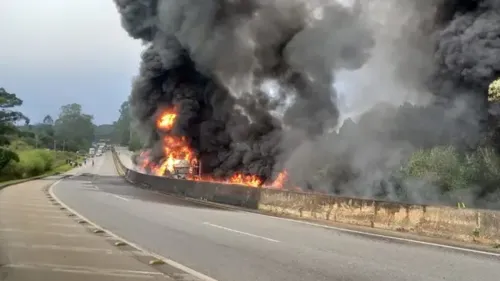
x=240, y=246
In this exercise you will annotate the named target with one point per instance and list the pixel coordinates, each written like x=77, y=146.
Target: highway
x=241, y=246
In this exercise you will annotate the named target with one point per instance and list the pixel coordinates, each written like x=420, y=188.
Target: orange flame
x=175, y=150
x=178, y=152
x=280, y=180
x=167, y=120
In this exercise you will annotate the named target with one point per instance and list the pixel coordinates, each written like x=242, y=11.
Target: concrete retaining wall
x=481, y=226
x=445, y=222
x=236, y=195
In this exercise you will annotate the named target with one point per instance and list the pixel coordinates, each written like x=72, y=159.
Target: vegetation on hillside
x=28, y=150
x=73, y=130
x=451, y=170
x=123, y=131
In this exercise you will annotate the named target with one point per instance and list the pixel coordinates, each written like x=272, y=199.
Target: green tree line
x=28, y=150
x=73, y=130
x=123, y=132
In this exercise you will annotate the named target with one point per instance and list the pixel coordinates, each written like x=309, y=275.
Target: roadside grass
x=58, y=170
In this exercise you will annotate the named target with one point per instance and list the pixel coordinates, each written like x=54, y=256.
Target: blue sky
x=55, y=52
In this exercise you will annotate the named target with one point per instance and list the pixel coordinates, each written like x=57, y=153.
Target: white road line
x=346, y=230
x=391, y=237
x=175, y=264
x=120, y=197
x=241, y=232
x=89, y=186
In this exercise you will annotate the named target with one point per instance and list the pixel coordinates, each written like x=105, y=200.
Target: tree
x=48, y=120
x=40, y=135
x=122, y=125
x=135, y=142
x=74, y=130
x=8, y=120
x=493, y=137
x=494, y=91
x=104, y=132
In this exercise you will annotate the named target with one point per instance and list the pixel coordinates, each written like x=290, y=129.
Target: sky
x=56, y=52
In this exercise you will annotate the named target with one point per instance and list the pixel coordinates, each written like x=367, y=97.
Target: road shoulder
x=41, y=239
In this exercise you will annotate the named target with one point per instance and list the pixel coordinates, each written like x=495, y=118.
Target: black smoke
x=209, y=59
x=453, y=53
x=446, y=52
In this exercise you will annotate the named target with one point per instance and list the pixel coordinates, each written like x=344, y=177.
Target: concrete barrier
x=231, y=194
x=468, y=225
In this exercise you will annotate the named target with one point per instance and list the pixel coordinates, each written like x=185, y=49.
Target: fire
x=166, y=120
x=179, y=155
x=175, y=149
x=237, y=178
x=280, y=180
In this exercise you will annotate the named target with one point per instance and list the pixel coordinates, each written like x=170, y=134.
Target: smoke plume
x=252, y=82
x=210, y=59
x=425, y=84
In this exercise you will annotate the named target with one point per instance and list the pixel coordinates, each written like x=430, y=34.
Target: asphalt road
x=241, y=246
x=125, y=157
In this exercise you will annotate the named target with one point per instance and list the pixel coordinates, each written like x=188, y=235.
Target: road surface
x=241, y=246
x=125, y=157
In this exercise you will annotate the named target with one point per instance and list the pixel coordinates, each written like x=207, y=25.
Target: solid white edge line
x=390, y=237
x=240, y=232
x=166, y=260
x=346, y=230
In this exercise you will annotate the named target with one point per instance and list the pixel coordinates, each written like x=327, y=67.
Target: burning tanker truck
x=179, y=161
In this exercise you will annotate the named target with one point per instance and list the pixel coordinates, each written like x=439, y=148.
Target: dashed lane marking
x=241, y=232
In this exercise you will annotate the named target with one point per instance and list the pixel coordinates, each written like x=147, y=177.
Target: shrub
x=449, y=169
x=34, y=162
x=441, y=166
x=494, y=91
